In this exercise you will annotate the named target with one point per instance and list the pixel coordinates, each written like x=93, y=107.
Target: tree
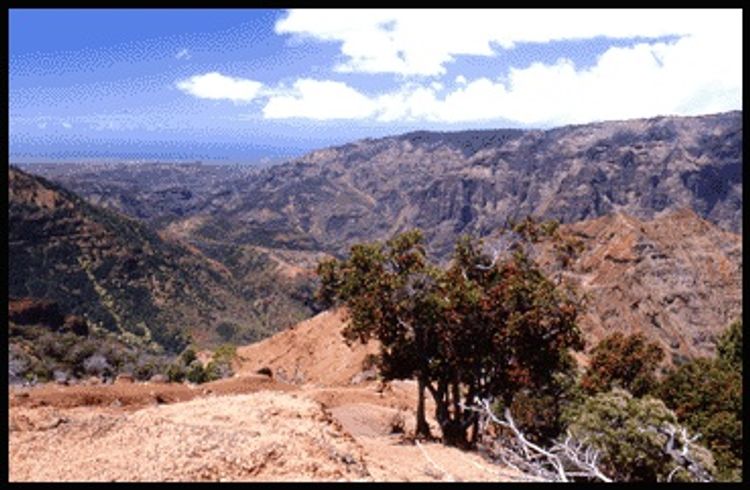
x=629, y=362
x=388, y=292
x=707, y=397
x=483, y=327
x=729, y=346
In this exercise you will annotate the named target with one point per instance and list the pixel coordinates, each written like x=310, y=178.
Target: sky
x=257, y=86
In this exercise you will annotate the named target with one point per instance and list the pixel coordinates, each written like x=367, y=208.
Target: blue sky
x=248, y=85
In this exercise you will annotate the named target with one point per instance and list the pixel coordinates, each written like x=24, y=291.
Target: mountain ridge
x=120, y=274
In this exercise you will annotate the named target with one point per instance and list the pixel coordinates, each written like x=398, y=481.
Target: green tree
x=729, y=346
x=483, y=327
x=629, y=362
x=707, y=397
x=632, y=435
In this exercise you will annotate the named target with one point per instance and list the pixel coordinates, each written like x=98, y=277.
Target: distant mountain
x=471, y=182
x=677, y=278
x=445, y=183
x=157, y=193
x=123, y=277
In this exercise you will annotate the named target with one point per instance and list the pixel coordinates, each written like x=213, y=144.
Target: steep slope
x=119, y=274
x=444, y=183
x=448, y=184
x=677, y=278
x=311, y=351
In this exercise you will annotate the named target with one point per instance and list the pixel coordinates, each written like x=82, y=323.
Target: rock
x=124, y=378
x=94, y=380
x=266, y=371
x=61, y=377
x=674, y=277
x=159, y=378
x=366, y=375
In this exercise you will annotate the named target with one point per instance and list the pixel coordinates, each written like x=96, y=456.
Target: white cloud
x=698, y=73
x=66, y=125
x=422, y=42
x=318, y=99
x=183, y=54
x=41, y=125
x=216, y=86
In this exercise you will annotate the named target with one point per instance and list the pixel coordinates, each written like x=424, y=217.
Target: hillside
x=123, y=277
x=444, y=183
x=677, y=278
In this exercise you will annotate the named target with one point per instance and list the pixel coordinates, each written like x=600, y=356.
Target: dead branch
x=562, y=462
x=681, y=455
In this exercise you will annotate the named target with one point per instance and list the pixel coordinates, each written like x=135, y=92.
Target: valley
x=144, y=260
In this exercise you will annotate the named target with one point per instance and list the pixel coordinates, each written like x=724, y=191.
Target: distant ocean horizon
x=173, y=152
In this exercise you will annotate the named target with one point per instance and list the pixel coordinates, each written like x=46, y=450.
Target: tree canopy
x=625, y=361
x=481, y=328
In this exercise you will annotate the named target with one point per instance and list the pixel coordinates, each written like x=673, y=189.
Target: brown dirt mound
x=311, y=352
x=260, y=436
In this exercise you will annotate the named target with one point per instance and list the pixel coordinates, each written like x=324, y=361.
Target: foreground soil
x=241, y=430
x=325, y=422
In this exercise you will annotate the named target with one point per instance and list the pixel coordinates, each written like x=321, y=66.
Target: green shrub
x=188, y=356
x=706, y=395
x=225, y=353
x=628, y=432
x=213, y=371
x=195, y=373
x=729, y=346
x=176, y=372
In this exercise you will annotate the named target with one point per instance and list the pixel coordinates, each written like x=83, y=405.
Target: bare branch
x=563, y=461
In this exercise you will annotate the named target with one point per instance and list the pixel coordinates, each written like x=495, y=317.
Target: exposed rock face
x=448, y=184
x=444, y=183
x=677, y=278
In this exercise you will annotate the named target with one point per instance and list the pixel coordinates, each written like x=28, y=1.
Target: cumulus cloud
x=318, y=99
x=697, y=70
x=422, y=42
x=697, y=73
x=216, y=86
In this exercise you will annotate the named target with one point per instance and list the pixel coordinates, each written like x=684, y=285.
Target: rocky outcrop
x=677, y=278
x=471, y=182
x=445, y=183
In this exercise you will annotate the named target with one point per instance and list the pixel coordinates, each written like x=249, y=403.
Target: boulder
x=124, y=378
x=159, y=378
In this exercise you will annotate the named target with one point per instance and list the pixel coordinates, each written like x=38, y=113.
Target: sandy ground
x=317, y=426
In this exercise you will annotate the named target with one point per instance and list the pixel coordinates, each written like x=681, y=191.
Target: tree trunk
x=423, y=429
